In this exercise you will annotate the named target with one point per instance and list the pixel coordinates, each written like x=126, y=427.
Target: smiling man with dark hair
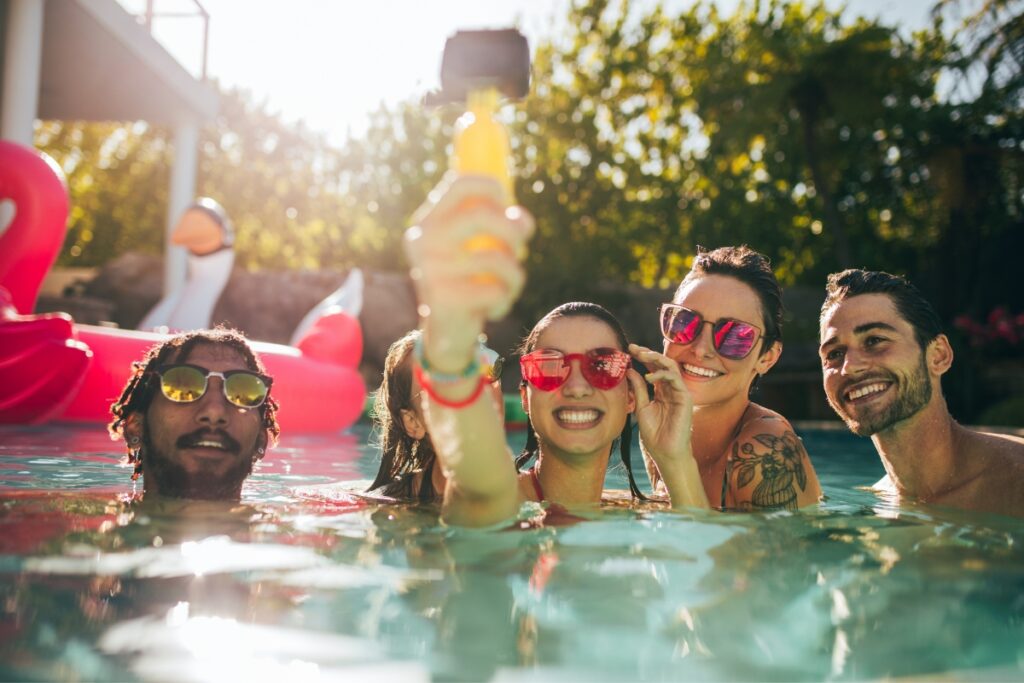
x=196, y=416
x=883, y=355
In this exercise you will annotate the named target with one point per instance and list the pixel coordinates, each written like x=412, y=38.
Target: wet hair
x=579, y=309
x=908, y=300
x=752, y=269
x=402, y=456
x=138, y=393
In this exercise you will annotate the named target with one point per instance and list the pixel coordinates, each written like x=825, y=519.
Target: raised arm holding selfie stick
x=465, y=251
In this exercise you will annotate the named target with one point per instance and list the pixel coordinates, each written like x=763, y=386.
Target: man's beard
x=174, y=481
x=913, y=394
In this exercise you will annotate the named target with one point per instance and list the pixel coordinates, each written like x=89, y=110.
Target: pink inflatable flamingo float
x=52, y=368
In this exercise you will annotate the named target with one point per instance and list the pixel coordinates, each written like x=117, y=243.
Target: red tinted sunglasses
x=732, y=339
x=547, y=370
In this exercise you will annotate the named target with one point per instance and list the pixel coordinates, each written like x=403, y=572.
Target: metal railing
x=200, y=11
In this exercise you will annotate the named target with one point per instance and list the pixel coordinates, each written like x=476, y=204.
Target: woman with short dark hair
x=724, y=329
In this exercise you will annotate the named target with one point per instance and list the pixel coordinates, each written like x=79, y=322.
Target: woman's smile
x=578, y=417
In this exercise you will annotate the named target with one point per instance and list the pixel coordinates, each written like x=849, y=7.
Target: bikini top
x=537, y=488
x=555, y=514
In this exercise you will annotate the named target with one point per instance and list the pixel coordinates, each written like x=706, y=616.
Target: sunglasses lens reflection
x=546, y=372
x=602, y=368
x=735, y=339
x=732, y=339
x=680, y=325
x=245, y=390
x=183, y=384
x=606, y=368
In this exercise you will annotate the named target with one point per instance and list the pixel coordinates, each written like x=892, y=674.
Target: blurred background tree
x=779, y=126
x=821, y=140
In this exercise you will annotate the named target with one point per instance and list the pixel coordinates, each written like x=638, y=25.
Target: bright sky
x=332, y=62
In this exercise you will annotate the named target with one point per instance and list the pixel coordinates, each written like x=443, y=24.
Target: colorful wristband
x=426, y=384
x=471, y=370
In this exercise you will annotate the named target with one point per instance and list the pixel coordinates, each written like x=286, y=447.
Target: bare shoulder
x=995, y=463
x=1002, y=451
x=770, y=429
x=769, y=466
x=761, y=420
x=1011, y=443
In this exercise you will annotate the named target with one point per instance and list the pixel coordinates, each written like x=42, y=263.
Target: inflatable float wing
x=52, y=368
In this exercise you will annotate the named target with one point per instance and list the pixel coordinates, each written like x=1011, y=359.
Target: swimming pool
x=282, y=588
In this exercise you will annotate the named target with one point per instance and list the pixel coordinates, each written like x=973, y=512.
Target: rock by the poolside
x=84, y=309
x=389, y=311
x=269, y=305
x=132, y=283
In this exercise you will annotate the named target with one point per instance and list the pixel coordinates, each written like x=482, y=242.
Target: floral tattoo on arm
x=781, y=461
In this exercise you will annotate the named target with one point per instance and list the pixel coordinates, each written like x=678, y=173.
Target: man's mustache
x=191, y=439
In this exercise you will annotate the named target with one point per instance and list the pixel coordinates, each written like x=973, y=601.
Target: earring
x=261, y=451
x=133, y=441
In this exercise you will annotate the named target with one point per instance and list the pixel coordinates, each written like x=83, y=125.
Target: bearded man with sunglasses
x=883, y=355
x=196, y=415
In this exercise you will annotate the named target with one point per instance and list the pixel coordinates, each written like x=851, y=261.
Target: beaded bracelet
x=426, y=384
x=471, y=370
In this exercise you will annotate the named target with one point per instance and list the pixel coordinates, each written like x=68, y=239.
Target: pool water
x=283, y=587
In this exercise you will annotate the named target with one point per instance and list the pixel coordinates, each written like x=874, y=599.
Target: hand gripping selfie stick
x=479, y=67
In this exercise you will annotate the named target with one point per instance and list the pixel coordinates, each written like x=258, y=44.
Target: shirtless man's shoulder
x=993, y=474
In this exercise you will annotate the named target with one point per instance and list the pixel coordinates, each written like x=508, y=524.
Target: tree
x=781, y=126
x=117, y=177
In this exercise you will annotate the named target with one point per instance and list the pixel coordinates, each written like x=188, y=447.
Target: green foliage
x=816, y=139
x=277, y=182
x=388, y=173
x=117, y=177
x=780, y=126
x=296, y=202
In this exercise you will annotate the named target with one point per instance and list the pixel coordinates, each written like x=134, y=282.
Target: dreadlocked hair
x=402, y=456
x=138, y=393
x=579, y=309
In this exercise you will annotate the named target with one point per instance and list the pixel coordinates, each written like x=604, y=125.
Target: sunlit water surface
x=285, y=587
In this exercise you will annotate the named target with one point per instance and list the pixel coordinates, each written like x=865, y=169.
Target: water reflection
x=94, y=585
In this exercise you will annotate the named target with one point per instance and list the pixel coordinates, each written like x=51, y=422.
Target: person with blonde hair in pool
x=579, y=388
x=724, y=329
x=409, y=471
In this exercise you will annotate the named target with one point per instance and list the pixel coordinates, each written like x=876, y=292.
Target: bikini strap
x=740, y=424
x=537, y=488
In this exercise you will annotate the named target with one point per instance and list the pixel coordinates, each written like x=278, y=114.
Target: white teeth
x=209, y=444
x=703, y=372
x=577, y=416
x=865, y=391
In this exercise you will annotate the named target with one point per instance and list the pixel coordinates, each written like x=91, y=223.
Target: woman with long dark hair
x=409, y=470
